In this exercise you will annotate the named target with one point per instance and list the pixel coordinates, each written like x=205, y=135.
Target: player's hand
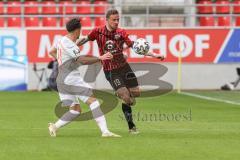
x=161, y=57
x=106, y=56
x=154, y=55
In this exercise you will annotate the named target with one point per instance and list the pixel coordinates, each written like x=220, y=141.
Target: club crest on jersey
x=117, y=36
x=109, y=45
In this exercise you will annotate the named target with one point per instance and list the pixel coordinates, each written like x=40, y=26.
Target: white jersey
x=67, y=50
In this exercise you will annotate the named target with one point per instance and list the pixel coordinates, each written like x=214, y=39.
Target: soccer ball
x=141, y=46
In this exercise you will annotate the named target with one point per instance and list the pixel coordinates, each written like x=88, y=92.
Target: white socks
x=99, y=116
x=96, y=112
x=67, y=118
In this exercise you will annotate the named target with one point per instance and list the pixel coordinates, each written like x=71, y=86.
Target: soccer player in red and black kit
x=111, y=39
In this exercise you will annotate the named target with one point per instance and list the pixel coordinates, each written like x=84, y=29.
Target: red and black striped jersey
x=113, y=42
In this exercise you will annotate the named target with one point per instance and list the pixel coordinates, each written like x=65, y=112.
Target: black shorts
x=122, y=77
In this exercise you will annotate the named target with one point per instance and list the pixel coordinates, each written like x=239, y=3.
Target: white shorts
x=73, y=89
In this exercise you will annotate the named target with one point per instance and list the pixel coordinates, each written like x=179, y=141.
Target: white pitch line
x=210, y=98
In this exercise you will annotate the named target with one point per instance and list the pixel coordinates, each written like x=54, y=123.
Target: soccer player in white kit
x=71, y=85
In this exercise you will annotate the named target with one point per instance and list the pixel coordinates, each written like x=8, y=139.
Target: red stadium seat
x=1, y=22
x=224, y=21
x=236, y=9
x=224, y=6
x=100, y=7
x=86, y=22
x=67, y=7
x=14, y=22
x=99, y=21
x=205, y=6
x=64, y=20
x=206, y=21
x=84, y=7
x=237, y=21
x=49, y=21
x=49, y=7
x=31, y=21
x=1, y=8
x=31, y=7
x=14, y=7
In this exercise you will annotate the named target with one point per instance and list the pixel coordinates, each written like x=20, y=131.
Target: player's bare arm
x=53, y=53
x=86, y=60
x=154, y=55
x=82, y=41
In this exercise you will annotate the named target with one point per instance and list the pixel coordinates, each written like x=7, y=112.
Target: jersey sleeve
x=92, y=35
x=127, y=40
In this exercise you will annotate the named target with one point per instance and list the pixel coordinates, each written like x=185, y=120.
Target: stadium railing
x=52, y=14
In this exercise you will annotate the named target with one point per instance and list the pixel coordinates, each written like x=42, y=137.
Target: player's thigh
x=86, y=96
x=81, y=89
x=90, y=100
x=68, y=100
x=124, y=94
x=131, y=81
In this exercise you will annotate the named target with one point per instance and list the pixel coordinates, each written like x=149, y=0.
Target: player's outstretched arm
x=82, y=41
x=86, y=60
x=154, y=55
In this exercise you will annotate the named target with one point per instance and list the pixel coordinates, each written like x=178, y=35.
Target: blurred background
x=200, y=39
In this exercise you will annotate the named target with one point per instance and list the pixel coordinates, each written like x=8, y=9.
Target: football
x=141, y=46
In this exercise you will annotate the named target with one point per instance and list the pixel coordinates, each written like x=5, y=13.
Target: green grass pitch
x=172, y=126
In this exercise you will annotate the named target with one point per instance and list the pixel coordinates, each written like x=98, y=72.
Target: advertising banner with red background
x=194, y=45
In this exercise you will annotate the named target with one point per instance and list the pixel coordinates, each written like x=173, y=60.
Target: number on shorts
x=117, y=82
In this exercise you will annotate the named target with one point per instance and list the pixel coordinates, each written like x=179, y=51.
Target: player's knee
x=127, y=99
x=136, y=93
x=91, y=100
x=124, y=94
x=76, y=108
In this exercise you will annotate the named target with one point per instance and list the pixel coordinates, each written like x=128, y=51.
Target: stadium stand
x=1, y=22
x=67, y=7
x=84, y=7
x=32, y=22
x=134, y=13
x=236, y=8
x=99, y=21
x=223, y=21
x=31, y=7
x=100, y=7
x=14, y=22
x=49, y=7
x=206, y=21
x=222, y=7
x=205, y=7
x=13, y=7
x=49, y=22
x=237, y=21
x=1, y=8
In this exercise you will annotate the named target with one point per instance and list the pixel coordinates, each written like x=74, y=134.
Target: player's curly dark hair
x=111, y=12
x=73, y=24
